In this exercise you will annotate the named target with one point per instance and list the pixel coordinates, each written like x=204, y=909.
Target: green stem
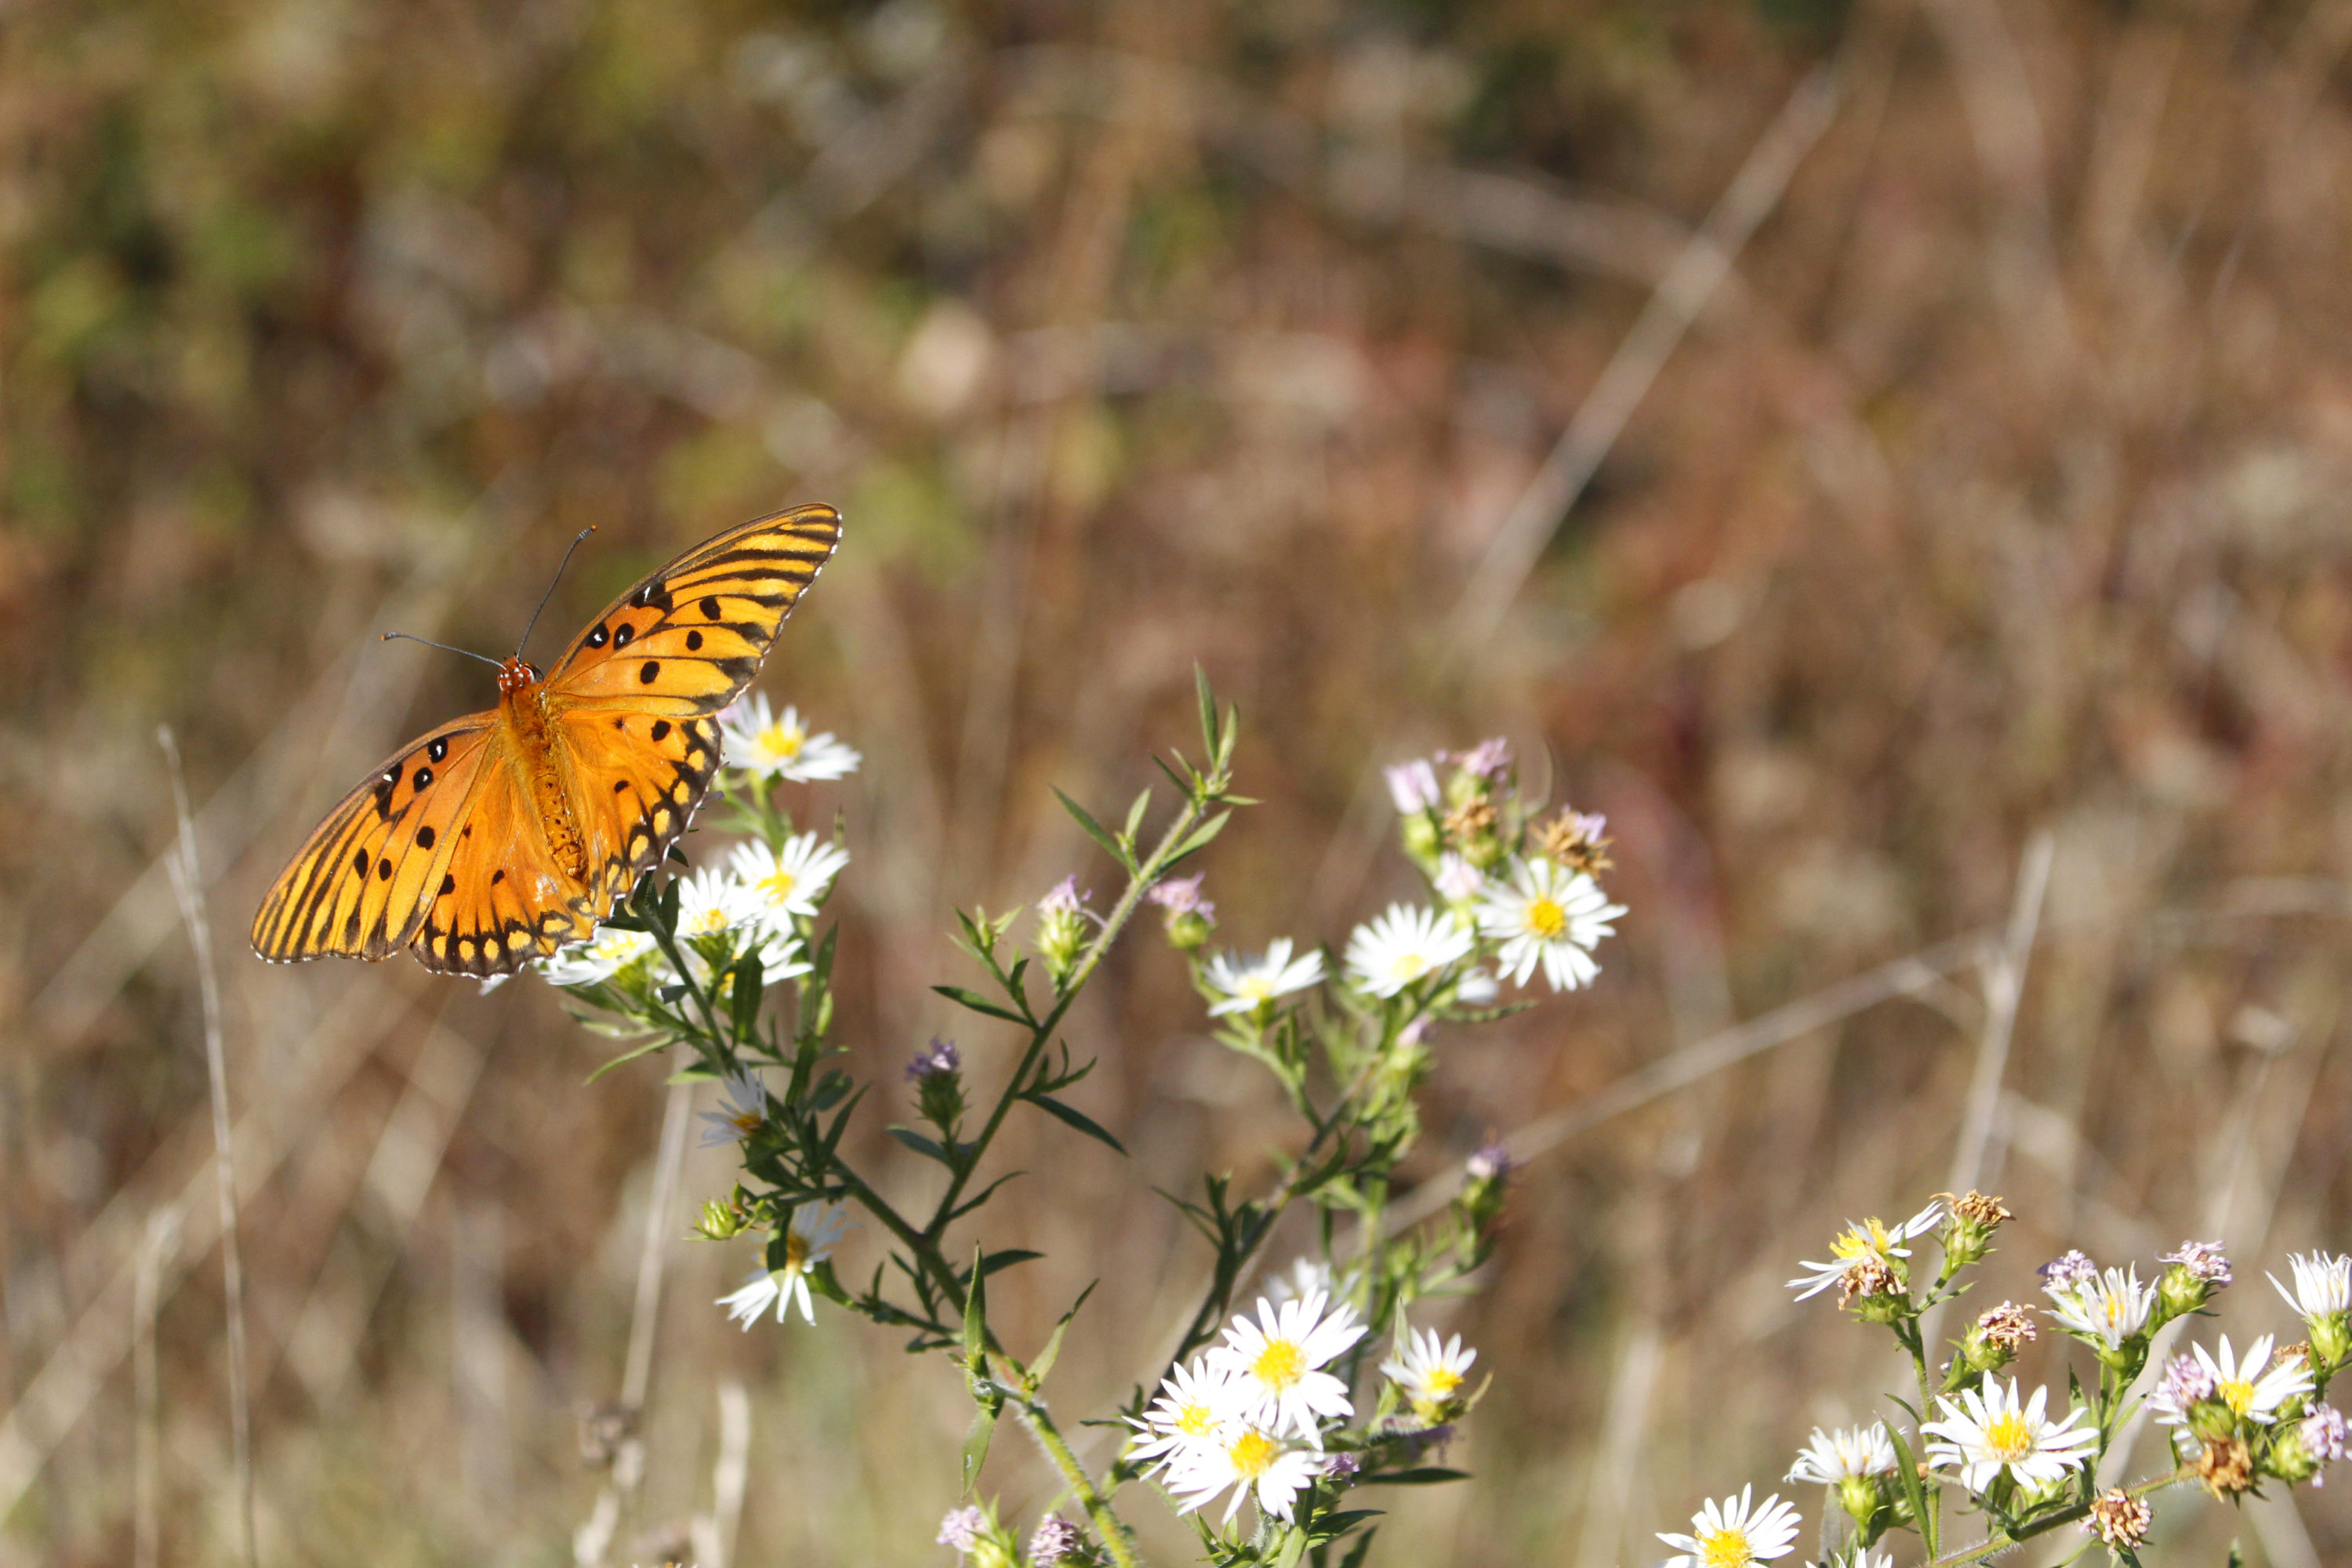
x=2071, y=1514
x=1116, y=1538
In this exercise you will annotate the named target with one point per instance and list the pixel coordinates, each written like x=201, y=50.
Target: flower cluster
x=2026, y=1458
x=1288, y=1405
x=1261, y=1414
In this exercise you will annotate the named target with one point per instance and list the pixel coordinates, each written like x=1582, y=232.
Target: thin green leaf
x=1208, y=702
x=975, y=1315
x=984, y=1194
x=1095, y=830
x=1357, y=1552
x=749, y=986
x=1078, y=1119
x=975, y=1443
x=978, y=1004
x=1045, y=1358
x=921, y=1145
x=990, y=1262
x=1419, y=1476
x=1200, y=836
x=677, y=854
x=1907, y=1475
x=1135, y=815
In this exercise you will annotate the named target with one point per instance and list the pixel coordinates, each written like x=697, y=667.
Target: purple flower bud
x=963, y=1529
x=2068, y=1271
x=1064, y=899
x=1179, y=895
x=938, y=1057
x=1492, y=1162
x=2186, y=1383
x=1341, y=1467
x=1489, y=758
x=2324, y=1435
x=1412, y=786
x=2202, y=1259
x=1056, y=1539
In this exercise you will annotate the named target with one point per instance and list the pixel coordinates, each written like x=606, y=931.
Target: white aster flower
x=1990, y=1431
x=1732, y=1534
x=1871, y=1240
x=781, y=884
x=1412, y=786
x=1195, y=1405
x=2323, y=1284
x=1847, y=1454
x=770, y=747
x=1243, y=985
x=1305, y=1277
x=1276, y=1363
x=711, y=903
x=2106, y=1310
x=1545, y=915
x=815, y=1230
x=1431, y=1373
x=745, y=1108
x=1248, y=1459
x=1404, y=944
x=601, y=957
x=2242, y=1384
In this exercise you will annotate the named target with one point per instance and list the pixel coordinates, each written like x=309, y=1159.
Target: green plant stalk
x=2071, y=1514
x=1116, y=1538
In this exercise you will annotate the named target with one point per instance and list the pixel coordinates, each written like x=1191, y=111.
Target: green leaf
x=1078, y=1119
x=1208, y=702
x=1357, y=1553
x=677, y=854
x=1288, y=1553
x=921, y=1145
x=1419, y=1476
x=749, y=986
x=975, y=1442
x=990, y=1262
x=984, y=1194
x=1202, y=834
x=1096, y=831
x=1045, y=1358
x=1135, y=815
x=978, y=1004
x=1907, y=1475
x=975, y=1315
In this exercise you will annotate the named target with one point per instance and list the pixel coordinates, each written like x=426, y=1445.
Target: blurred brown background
x=1964, y=391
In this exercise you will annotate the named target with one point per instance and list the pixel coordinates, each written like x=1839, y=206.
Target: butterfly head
x=516, y=675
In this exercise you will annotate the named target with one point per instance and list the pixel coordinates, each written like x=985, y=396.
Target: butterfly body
x=507, y=832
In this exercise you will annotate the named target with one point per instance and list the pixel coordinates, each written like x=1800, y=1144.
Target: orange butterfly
x=503, y=835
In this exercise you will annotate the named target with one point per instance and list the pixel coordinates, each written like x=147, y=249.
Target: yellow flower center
x=1196, y=1420
x=1726, y=1549
x=1252, y=1455
x=1546, y=919
x=2238, y=1394
x=1869, y=1236
x=783, y=741
x=745, y=1123
x=705, y=922
x=2009, y=1438
x=778, y=884
x=1409, y=966
x=1280, y=1364
x=1256, y=987
x=796, y=1252
x=1441, y=1382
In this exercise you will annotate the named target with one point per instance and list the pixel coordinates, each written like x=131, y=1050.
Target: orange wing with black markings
x=502, y=900
x=360, y=888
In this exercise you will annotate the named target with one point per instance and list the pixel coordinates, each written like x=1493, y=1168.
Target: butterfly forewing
x=358, y=888
x=690, y=636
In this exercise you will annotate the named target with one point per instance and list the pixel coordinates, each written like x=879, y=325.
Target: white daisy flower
x=1404, y=944
x=781, y=884
x=1845, y=1455
x=711, y=903
x=1248, y=1459
x=1870, y=1240
x=2105, y=1309
x=1989, y=1431
x=1305, y=1277
x=1431, y=1373
x=1276, y=1365
x=1545, y=915
x=815, y=1230
x=1196, y=1403
x=2242, y=1384
x=601, y=957
x=1245, y=985
x=2323, y=1284
x=745, y=1108
x=1730, y=1534
x=770, y=747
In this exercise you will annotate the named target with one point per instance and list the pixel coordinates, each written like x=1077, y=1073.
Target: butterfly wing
x=632, y=698
x=502, y=900
x=690, y=637
x=360, y=887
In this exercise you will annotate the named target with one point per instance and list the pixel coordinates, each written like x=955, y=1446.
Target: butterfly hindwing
x=502, y=900
x=642, y=777
x=357, y=889
x=690, y=636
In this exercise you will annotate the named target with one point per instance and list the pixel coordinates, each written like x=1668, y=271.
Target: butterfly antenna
x=551, y=585
x=445, y=648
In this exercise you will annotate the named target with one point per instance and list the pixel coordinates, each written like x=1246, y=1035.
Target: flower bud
x=1190, y=917
x=1487, y=1173
x=1862, y=1496
x=937, y=1073
x=2331, y=1342
x=980, y=1541
x=1968, y=1225
x=1991, y=1343
x=1061, y=928
x=2198, y=1269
